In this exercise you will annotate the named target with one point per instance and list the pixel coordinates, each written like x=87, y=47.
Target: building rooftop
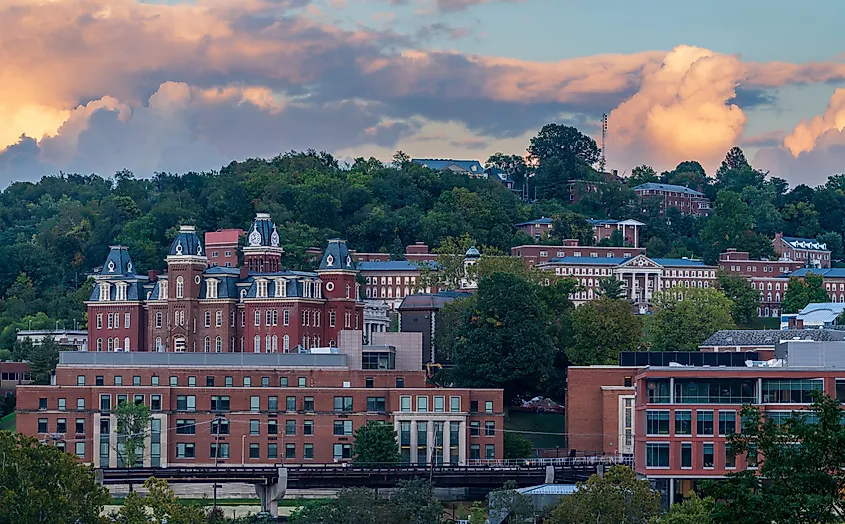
x=805, y=243
x=834, y=272
x=392, y=265
x=536, y=222
x=206, y=360
x=223, y=236
x=615, y=261
x=601, y=222
x=473, y=166
x=821, y=313
x=769, y=337
x=653, y=186
x=431, y=300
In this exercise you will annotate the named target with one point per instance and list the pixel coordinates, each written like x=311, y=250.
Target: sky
x=96, y=86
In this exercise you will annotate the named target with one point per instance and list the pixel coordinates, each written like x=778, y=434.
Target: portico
x=438, y=430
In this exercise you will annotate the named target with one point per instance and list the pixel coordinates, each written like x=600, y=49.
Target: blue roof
x=391, y=265
x=337, y=257
x=835, y=272
x=599, y=261
x=118, y=263
x=654, y=186
x=135, y=291
x=805, y=243
x=472, y=253
x=187, y=243
x=472, y=166
x=678, y=262
x=263, y=232
x=536, y=221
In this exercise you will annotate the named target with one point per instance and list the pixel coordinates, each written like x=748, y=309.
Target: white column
x=462, y=443
x=447, y=442
x=95, y=459
x=430, y=440
x=413, y=443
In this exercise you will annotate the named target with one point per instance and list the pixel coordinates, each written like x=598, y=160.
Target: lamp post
x=216, y=426
x=243, y=443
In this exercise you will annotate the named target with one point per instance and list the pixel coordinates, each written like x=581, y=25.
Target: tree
x=732, y=226
x=745, y=298
x=642, y=175
x=564, y=143
x=612, y=288
x=449, y=321
x=504, y=342
x=833, y=241
x=511, y=506
x=133, y=427
x=43, y=358
x=804, y=468
x=517, y=446
x=570, y=225
x=734, y=159
x=693, y=510
x=375, y=443
x=162, y=503
x=601, y=329
x=684, y=317
x=411, y=503
x=616, y=498
x=801, y=292
x=40, y=484
x=513, y=165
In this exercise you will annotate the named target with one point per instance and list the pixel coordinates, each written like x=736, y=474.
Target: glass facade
x=790, y=391
x=726, y=391
x=405, y=441
x=657, y=391
x=683, y=422
x=422, y=442
x=657, y=454
x=657, y=422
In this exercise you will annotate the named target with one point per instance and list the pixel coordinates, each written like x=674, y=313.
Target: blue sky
x=193, y=84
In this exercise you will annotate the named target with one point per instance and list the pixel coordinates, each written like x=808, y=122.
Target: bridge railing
x=561, y=461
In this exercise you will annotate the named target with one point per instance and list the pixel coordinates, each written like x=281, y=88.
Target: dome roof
x=187, y=243
x=337, y=257
x=263, y=232
x=118, y=263
x=472, y=253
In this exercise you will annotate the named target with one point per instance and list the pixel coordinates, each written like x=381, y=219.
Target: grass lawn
x=8, y=422
x=541, y=423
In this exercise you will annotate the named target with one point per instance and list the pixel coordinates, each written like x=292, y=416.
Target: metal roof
x=769, y=337
x=536, y=221
x=472, y=166
x=653, y=186
x=805, y=243
x=549, y=489
x=214, y=360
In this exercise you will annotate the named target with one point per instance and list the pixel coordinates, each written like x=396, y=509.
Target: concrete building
x=70, y=338
x=418, y=314
x=687, y=201
x=377, y=318
x=807, y=250
x=258, y=409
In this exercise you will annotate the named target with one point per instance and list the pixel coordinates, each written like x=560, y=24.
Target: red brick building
x=629, y=230
x=536, y=254
x=195, y=307
x=600, y=409
x=687, y=201
x=536, y=228
x=13, y=374
x=809, y=251
x=269, y=408
x=223, y=246
x=770, y=277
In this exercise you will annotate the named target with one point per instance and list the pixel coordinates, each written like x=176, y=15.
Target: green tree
x=735, y=159
x=732, y=226
x=504, y=342
x=449, y=321
x=563, y=142
x=161, y=504
x=133, y=427
x=517, y=446
x=511, y=506
x=612, y=288
x=616, y=498
x=745, y=298
x=570, y=225
x=43, y=358
x=411, y=503
x=601, y=329
x=693, y=510
x=833, y=242
x=40, y=484
x=375, y=443
x=804, y=468
x=809, y=290
x=513, y=165
x=642, y=175
x=683, y=318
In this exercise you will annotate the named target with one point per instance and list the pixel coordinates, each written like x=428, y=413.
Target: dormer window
x=105, y=291
x=281, y=287
x=319, y=289
x=261, y=288
x=211, y=286
x=111, y=266
x=121, y=291
x=162, y=289
x=329, y=261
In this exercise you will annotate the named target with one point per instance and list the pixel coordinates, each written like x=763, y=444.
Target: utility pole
x=216, y=426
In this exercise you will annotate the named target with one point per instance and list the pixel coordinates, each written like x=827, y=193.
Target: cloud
x=682, y=111
x=458, y=5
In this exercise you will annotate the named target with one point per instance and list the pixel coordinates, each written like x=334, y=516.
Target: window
x=343, y=427
x=785, y=391
x=308, y=451
x=272, y=450
x=227, y=381
x=683, y=422
x=273, y=404
x=180, y=287
x=265, y=382
x=223, y=450
x=730, y=457
x=290, y=404
x=174, y=381
x=308, y=404
x=704, y=423
x=80, y=426
x=254, y=403
x=707, y=455
x=686, y=455
x=400, y=382
x=219, y=426
x=80, y=380
x=455, y=404
x=80, y=404
x=489, y=451
x=657, y=422
x=752, y=458
x=308, y=427
x=332, y=317
x=105, y=402
x=118, y=380
x=658, y=391
x=422, y=404
x=253, y=451
x=489, y=428
x=155, y=402
x=439, y=404
x=286, y=317
x=154, y=380
x=186, y=427
x=726, y=391
x=405, y=404
x=136, y=381
x=61, y=425
x=208, y=319
x=657, y=454
x=475, y=452
x=301, y=382
x=80, y=449
x=727, y=423
x=185, y=449
x=42, y=425
x=342, y=451
x=247, y=382
x=62, y=404
x=473, y=406
x=283, y=382
x=488, y=406
x=99, y=380
x=376, y=404
x=186, y=403
x=343, y=404
x=475, y=428
x=192, y=381
x=290, y=427
x=254, y=427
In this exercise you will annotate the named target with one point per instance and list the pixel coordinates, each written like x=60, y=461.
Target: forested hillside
x=55, y=232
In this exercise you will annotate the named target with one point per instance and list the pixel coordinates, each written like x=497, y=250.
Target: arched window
x=111, y=344
x=286, y=343
x=208, y=319
x=158, y=344
x=348, y=290
x=275, y=347
x=158, y=319
x=180, y=287
x=218, y=345
x=256, y=344
x=126, y=344
x=207, y=344
x=267, y=344
x=219, y=318
x=99, y=344
x=117, y=343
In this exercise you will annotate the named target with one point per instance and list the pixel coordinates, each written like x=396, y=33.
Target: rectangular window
x=308, y=451
x=489, y=428
x=657, y=422
x=342, y=451
x=301, y=382
x=475, y=428
x=400, y=382
x=154, y=380
x=80, y=404
x=80, y=380
x=683, y=422
x=219, y=427
x=247, y=382
x=220, y=403
x=105, y=402
x=155, y=402
x=265, y=382
x=308, y=404
x=186, y=427
x=475, y=451
x=489, y=451
x=488, y=406
x=422, y=404
x=725, y=391
x=61, y=425
x=99, y=380
x=707, y=455
x=254, y=427
x=730, y=457
x=473, y=406
x=118, y=380
x=439, y=404
x=290, y=450
x=290, y=404
x=273, y=404
x=686, y=455
x=209, y=381
x=223, y=451
x=657, y=454
x=174, y=381
x=272, y=427
x=704, y=423
x=62, y=404
x=254, y=453
x=136, y=380
x=376, y=404
x=80, y=449
x=185, y=450
x=308, y=427
x=727, y=423
x=283, y=382
x=786, y=391
x=80, y=426
x=272, y=450
x=343, y=404
x=192, y=381
x=405, y=404
x=42, y=425
x=455, y=404
x=254, y=403
x=657, y=391
x=343, y=427
x=290, y=427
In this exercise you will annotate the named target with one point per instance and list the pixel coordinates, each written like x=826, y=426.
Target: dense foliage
x=375, y=443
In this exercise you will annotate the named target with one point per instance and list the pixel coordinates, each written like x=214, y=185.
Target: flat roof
x=187, y=360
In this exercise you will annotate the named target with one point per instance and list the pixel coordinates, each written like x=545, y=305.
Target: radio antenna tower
x=603, y=160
